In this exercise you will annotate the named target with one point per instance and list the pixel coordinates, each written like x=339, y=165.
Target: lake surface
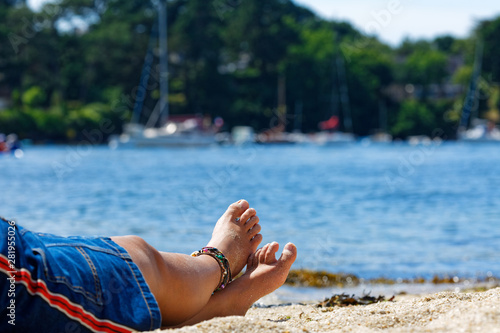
x=396, y=211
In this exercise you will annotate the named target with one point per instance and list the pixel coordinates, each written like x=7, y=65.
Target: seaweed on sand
x=321, y=279
x=346, y=300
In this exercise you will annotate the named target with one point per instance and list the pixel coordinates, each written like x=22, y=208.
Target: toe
x=271, y=252
x=236, y=209
x=252, y=260
x=289, y=254
x=249, y=213
x=262, y=254
x=254, y=231
x=252, y=222
x=256, y=240
x=256, y=258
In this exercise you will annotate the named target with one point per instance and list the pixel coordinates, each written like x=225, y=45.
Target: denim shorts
x=70, y=284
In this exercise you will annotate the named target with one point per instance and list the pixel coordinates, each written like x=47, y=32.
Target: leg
x=181, y=284
x=264, y=274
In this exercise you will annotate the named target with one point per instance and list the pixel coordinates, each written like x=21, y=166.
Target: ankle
x=210, y=268
x=220, y=258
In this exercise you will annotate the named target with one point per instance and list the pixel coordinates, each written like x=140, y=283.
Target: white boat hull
x=136, y=136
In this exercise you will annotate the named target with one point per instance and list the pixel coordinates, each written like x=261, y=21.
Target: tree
x=489, y=32
x=196, y=44
x=414, y=118
x=257, y=36
x=444, y=43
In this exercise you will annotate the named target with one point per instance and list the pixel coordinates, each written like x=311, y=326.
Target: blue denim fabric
x=70, y=284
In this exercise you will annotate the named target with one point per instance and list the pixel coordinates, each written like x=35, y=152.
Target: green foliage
x=50, y=124
x=19, y=122
x=489, y=32
x=33, y=97
x=445, y=43
x=414, y=118
x=429, y=118
x=425, y=67
x=409, y=47
x=226, y=59
x=309, y=71
x=56, y=124
x=369, y=72
x=463, y=75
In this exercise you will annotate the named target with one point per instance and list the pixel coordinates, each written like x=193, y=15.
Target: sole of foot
x=265, y=273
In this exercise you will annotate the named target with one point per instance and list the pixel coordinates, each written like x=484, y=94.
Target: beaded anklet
x=225, y=278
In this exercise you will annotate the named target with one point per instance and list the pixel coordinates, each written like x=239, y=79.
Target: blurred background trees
x=68, y=66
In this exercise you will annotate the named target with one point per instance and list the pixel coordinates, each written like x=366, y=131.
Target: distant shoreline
x=324, y=279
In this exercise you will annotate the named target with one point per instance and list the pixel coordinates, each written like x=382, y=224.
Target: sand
x=441, y=312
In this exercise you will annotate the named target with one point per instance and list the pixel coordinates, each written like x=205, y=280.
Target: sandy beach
x=441, y=312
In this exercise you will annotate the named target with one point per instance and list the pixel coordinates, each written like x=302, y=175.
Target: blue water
x=391, y=210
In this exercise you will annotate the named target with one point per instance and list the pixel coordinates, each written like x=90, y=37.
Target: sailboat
x=482, y=130
x=174, y=131
x=278, y=134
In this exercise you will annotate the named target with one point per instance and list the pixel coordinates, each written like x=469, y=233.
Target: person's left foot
x=236, y=235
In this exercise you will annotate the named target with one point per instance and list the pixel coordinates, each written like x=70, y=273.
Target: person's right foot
x=264, y=274
x=267, y=273
x=236, y=235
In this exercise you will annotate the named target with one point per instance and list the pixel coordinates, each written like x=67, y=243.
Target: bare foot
x=264, y=275
x=236, y=234
x=265, y=272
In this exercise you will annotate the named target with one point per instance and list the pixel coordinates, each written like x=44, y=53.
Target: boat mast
x=339, y=67
x=344, y=94
x=162, y=24
x=471, y=104
x=146, y=71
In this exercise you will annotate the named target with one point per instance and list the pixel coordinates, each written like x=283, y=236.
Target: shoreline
x=323, y=279
x=299, y=295
x=438, y=312
x=313, y=286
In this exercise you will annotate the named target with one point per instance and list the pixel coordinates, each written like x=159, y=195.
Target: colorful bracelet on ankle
x=225, y=278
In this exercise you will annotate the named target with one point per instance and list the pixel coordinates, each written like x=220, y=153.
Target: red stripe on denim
x=60, y=302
